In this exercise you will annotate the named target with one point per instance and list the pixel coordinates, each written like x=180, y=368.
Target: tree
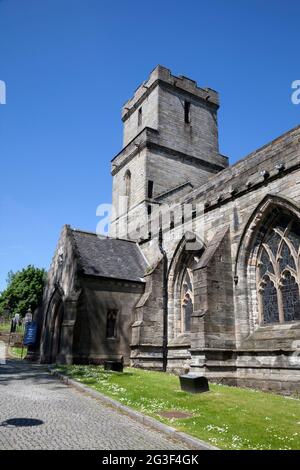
x=24, y=290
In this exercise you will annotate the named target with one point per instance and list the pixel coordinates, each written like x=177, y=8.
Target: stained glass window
x=283, y=222
x=273, y=241
x=294, y=235
x=270, y=302
x=278, y=272
x=265, y=263
x=286, y=260
x=290, y=298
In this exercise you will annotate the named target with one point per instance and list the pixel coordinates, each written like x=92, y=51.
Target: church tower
x=170, y=146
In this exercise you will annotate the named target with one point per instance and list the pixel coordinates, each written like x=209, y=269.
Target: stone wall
x=74, y=311
x=227, y=342
x=149, y=117
x=164, y=148
x=60, y=286
x=199, y=137
x=229, y=205
x=98, y=296
x=147, y=329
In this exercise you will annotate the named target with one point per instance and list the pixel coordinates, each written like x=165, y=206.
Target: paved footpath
x=37, y=411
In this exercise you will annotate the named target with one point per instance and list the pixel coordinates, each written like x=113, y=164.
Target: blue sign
x=30, y=333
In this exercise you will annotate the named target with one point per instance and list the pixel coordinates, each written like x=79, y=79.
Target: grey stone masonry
x=227, y=342
x=170, y=139
x=201, y=301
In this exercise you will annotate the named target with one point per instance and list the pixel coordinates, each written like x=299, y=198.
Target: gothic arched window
x=278, y=272
x=187, y=303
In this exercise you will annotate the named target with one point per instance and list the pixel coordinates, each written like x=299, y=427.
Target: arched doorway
x=55, y=331
x=51, y=337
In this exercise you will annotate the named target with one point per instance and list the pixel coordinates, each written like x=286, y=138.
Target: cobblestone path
x=37, y=411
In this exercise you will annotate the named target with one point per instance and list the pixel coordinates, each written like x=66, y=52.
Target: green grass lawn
x=227, y=417
x=4, y=327
x=17, y=352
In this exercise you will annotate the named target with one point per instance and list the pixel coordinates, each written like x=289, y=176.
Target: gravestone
x=194, y=383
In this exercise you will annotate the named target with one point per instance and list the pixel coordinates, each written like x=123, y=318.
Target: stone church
x=201, y=269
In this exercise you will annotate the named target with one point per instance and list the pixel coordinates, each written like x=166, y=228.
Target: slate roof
x=108, y=257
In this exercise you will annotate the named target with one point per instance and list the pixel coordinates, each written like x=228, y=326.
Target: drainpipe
x=165, y=300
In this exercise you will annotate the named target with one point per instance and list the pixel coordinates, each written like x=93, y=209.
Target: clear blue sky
x=69, y=65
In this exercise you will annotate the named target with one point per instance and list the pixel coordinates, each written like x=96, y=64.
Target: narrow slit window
x=140, y=116
x=187, y=112
x=127, y=179
x=111, y=324
x=150, y=189
x=172, y=221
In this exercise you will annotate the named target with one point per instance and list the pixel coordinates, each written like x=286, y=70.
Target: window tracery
x=278, y=272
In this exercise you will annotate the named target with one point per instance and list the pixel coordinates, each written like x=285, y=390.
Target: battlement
x=170, y=141
x=162, y=75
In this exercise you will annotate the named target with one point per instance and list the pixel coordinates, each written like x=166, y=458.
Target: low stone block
x=116, y=366
x=193, y=383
